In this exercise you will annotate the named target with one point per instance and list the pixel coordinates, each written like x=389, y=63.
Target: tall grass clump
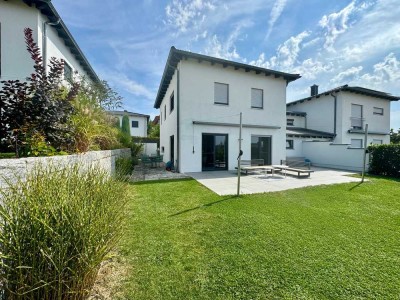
x=56, y=227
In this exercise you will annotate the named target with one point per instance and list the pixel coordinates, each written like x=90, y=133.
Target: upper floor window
x=165, y=112
x=377, y=142
x=290, y=122
x=171, y=103
x=221, y=93
x=378, y=111
x=135, y=124
x=356, y=116
x=289, y=144
x=257, y=98
x=67, y=72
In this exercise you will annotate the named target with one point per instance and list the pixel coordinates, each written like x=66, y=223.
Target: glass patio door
x=261, y=148
x=214, y=152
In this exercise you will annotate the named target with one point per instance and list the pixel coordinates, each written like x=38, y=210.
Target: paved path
x=225, y=182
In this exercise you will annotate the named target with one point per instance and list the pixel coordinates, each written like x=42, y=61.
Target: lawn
x=327, y=242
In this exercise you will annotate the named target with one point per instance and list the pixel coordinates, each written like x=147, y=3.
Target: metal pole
x=240, y=157
x=365, y=151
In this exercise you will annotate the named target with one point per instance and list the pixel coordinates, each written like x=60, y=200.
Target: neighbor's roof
x=307, y=133
x=47, y=9
x=351, y=89
x=176, y=55
x=125, y=112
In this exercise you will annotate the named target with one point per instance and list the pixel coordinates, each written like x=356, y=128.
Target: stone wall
x=10, y=168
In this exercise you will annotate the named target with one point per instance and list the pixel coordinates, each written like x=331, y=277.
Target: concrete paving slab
x=225, y=182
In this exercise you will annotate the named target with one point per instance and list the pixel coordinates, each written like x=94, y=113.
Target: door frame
x=270, y=148
x=226, y=151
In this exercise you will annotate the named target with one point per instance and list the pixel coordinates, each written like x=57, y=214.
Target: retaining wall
x=9, y=168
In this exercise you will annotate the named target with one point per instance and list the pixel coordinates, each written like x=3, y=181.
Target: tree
x=395, y=137
x=153, y=131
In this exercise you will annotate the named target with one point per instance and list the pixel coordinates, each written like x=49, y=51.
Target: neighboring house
x=49, y=32
x=137, y=122
x=156, y=120
x=200, y=98
x=328, y=128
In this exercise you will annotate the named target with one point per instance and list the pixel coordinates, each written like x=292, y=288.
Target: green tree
x=153, y=131
x=395, y=137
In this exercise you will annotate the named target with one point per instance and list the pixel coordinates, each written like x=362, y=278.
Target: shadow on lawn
x=203, y=205
x=160, y=181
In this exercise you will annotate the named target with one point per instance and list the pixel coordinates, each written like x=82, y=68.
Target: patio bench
x=295, y=170
x=245, y=165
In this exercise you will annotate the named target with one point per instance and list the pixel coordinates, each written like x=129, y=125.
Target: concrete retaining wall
x=9, y=168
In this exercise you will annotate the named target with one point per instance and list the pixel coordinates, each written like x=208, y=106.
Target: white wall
x=168, y=121
x=197, y=104
x=150, y=148
x=298, y=121
x=324, y=154
x=297, y=150
x=15, y=60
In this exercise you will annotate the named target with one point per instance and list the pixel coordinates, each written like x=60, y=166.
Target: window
x=378, y=111
x=356, y=116
x=171, y=103
x=165, y=112
x=67, y=72
x=135, y=124
x=356, y=143
x=289, y=144
x=290, y=122
x=221, y=93
x=377, y=142
x=160, y=117
x=256, y=98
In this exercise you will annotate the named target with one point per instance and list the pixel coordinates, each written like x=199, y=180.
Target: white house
x=200, y=99
x=328, y=128
x=49, y=32
x=137, y=122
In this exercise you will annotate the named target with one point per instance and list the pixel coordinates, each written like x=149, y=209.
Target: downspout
x=177, y=121
x=44, y=40
x=334, y=112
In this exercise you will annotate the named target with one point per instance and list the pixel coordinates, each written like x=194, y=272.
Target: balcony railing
x=357, y=123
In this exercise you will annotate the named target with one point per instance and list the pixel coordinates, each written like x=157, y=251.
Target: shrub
x=385, y=160
x=124, y=166
x=55, y=229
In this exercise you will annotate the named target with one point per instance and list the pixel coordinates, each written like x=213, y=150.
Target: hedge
x=385, y=160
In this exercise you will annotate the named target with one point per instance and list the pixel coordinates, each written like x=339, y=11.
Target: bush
x=124, y=166
x=385, y=160
x=55, y=229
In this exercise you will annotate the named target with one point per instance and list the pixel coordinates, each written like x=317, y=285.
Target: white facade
x=15, y=60
x=137, y=122
x=199, y=115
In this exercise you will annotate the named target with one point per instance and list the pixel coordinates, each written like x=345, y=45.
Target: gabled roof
x=351, y=89
x=176, y=55
x=307, y=133
x=125, y=112
x=47, y=9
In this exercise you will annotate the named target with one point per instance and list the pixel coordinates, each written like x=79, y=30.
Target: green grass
x=327, y=242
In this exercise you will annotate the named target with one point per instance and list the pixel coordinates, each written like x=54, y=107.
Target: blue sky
x=329, y=43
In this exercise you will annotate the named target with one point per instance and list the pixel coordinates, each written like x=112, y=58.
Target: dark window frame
x=171, y=103
x=377, y=113
x=288, y=121
x=262, y=98
x=227, y=94
x=165, y=112
x=68, y=72
x=137, y=123
x=291, y=144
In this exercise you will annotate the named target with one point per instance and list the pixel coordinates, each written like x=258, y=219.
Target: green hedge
x=385, y=160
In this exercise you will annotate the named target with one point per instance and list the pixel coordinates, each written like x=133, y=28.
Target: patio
x=225, y=182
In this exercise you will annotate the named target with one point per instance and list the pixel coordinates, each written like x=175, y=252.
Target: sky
x=329, y=43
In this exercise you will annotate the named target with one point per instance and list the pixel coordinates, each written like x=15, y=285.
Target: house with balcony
x=200, y=99
x=328, y=128
x=49, y=32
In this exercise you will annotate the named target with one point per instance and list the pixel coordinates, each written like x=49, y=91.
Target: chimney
x=314, y=90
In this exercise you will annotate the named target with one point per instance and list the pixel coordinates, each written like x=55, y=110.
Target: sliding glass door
x=214, y=152
x=261, y=148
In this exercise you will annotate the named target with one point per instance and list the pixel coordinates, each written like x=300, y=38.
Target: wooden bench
x=296, y=170
x=246, y=164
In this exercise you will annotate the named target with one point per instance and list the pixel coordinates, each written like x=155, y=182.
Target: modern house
x=329, y=128
x=137, y=122
x=200, y=99
x=49, y=32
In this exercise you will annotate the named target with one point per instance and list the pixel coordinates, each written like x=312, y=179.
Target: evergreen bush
x=385, y=160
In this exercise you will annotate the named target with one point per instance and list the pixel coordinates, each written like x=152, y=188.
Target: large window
x=261, y=148
x=289, y=144
x=377, y=142
x=356, y=116
x=378, y=111
x=257, y=98
x=171, y=103
x=67, y=72
x=135, y=124
x=356, y=143
x=221, y=93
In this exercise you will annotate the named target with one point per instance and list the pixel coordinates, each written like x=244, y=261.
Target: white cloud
x=276, y=12
x=310, y=68
x=347, y=75
x=121, y=81
x=185, y=14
